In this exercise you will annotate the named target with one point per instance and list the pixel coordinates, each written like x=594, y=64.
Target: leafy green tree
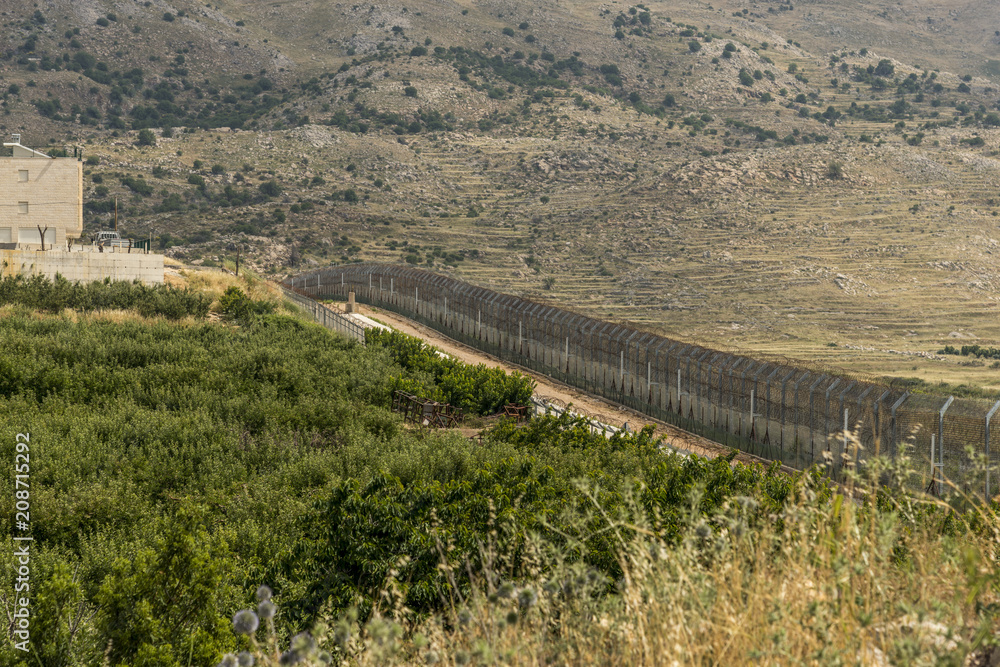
x=270, y=188
x=146, y=138
x=236, y=304
x=61, y=624
x=885, y=68
x=162, y=608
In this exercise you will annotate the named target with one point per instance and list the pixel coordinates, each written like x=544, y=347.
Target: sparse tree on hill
x=146, y=138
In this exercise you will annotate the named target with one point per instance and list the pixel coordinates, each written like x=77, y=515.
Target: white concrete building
x=40, y=196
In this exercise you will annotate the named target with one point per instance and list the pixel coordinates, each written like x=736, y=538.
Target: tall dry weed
x=862, y=576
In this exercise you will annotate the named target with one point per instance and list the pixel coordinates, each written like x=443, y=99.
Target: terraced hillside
x=812, y=180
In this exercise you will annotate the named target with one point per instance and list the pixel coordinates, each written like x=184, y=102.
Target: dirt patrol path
x=556, y=392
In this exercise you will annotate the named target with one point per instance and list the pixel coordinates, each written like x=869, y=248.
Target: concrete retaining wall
x=84, y=266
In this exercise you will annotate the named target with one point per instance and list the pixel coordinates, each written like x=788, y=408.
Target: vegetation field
x=176, y=466
x=815, y=182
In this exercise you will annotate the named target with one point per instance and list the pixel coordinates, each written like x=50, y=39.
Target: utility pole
x=116, y=214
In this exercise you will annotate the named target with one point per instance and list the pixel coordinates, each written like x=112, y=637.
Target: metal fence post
x=933, y=473
x=895, y=440
x=812, y=418
x=878, y=422
x=679, y=411
x=844, y=451
x=989, y=415
x=944, y=409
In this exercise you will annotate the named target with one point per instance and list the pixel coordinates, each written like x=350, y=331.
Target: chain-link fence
x=330, y=319
x=777, y=411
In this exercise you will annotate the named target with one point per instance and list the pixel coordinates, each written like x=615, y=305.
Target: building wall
x=40, y=191
x=83, y=266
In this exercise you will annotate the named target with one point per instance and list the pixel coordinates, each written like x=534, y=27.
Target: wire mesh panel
x=728, y=391
x=327, y=317
x=630, y=376
x=962, y=437
x=916, y=427
x=862, y=424
x=660, y=377
x=547, y=323
x=700, y=387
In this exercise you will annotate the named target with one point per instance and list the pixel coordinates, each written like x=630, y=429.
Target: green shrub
x=237, y=305
x=160, y=606
x=475, y=389
x=146, y=138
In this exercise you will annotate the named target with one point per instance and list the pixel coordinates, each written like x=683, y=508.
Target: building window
x=5, y=235
x=22, y=207
x=22, y=175
x=30, y=235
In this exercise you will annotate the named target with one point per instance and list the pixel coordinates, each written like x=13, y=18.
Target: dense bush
x=165, y=460
x=53, y=296
x=358, y=532
x=972, y=350
x=475, y=389
x=237, y=305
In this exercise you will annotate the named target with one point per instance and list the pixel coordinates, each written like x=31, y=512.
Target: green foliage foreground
x=175, y=467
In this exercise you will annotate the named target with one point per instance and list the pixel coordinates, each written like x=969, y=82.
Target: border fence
x=779, y=412
x=328, y=317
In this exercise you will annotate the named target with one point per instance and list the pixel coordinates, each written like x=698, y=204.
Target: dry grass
x=832, y=581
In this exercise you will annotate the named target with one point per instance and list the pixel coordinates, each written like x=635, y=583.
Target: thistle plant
x=302, y=649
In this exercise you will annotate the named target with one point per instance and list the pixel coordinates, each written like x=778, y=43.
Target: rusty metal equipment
x=425, y=412
x=518, y=413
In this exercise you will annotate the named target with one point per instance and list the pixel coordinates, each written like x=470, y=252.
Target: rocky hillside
x=805, y=179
